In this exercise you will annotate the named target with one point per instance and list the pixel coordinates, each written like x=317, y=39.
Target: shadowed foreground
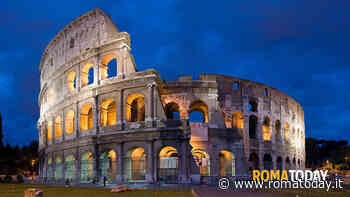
x=17, y=190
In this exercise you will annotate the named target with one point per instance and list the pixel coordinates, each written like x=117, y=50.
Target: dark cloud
x=300, y=47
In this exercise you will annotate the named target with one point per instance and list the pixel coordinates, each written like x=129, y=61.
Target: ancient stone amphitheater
x=102, y=118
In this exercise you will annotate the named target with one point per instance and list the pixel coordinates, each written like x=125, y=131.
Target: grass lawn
x=17, y=190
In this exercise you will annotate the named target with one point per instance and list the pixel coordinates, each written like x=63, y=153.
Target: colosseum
x=102, y=118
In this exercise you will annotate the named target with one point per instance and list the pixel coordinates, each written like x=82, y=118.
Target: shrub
x=20, y=178
x=8, y=179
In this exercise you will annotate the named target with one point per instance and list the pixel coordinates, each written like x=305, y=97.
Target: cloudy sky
x=300, y=47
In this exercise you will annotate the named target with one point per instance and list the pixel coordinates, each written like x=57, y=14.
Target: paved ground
x=215, y=192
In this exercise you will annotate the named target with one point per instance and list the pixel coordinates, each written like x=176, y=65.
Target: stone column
x=149, y=162
x=96, y=162
x=78, y=79
x=77, y=167
x=63, y=126
x=120, y=167
x=149, y=109
x=77, y=120
x=97, y=117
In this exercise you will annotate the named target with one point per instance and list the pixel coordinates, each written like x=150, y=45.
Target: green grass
x=17, y=190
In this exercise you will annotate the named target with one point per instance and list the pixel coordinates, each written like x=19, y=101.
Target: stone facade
x=94, y=126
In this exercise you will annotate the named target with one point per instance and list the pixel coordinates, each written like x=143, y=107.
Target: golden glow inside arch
x=49, y=130
x=104, y=65
x=86, y=117
x=286, y=131
x=50, y=96
x=58, y=127
x=49, y=161
x=266, y=129
x=201, y=107
x=108, y=112
x=137, y=153
x=238, y=120
x=84, y=75
x=168, y=151
x=71, y=81
x=202, y=160
x=135, y=108
x=69, y=122
x=226, y=163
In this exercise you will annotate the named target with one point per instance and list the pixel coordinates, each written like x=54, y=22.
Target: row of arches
x=135, y=111
x=107, y=67
x=197, y=112
x=135, y=165
x=268, y=162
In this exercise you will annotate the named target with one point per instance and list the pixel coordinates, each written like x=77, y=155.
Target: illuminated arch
x=278, y=130
x=202, y=160
x=58, y=168
x=108, y=67
x=201, y=107
x=50, y=95
x=87, y=74
x=108, y=166
x=86, y=167
x=286, y=131
x=69, y=122
x=135, y=108
x=226, y=163
x=135, y=164
x=86, y=117
x=71, y=81
x=266, y=129
x=69, y=165
x=172, y=111
x=49, y=130
x=168, y=164
x=108, y=112
x=238, y=120
x=58, y=127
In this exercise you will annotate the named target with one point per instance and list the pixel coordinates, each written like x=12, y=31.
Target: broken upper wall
x=88, y=31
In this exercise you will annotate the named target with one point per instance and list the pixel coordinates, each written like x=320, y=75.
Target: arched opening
x=226, y=163
x=49, y=130
x=58, y=127
x=286, y=132
x=50, y=96
x=58, y=169
x=108, y=167
x=266, y=129
x=254, y=161
x=86, y=167
x=168, y=165
x=288, y=163
x=202, y=160
x=87, y=75
x=71, y=81
x=172, y=111
x=69, y=124
x=279, y=163
x=278, y=130
x=108, y=67
x=69, y=165
x=253, y=106
x=253, y=121
x=235, y=85
x=135, y=108
x=294, y=163
x=86, y=117
x=198, y=112
x=135, y=164
x=268, y=165
x=238, y=120
x=108, y=113
x=266, y=92
x=49, y=169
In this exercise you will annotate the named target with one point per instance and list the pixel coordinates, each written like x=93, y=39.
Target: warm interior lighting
x=69, y=124
x=86, y=117
x=108, y=113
